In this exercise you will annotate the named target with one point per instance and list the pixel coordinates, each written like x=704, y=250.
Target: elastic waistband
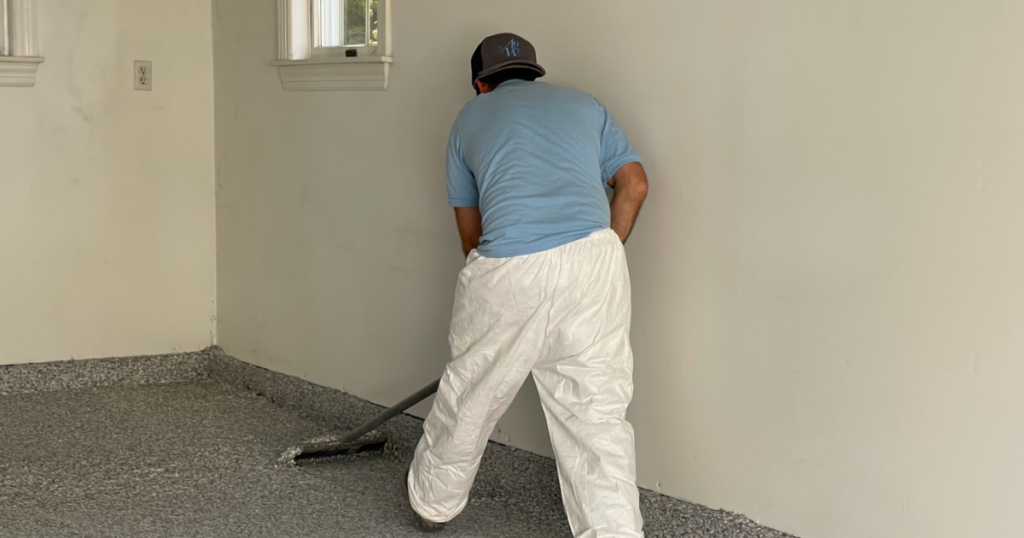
x=606, y=236
x=601, y=236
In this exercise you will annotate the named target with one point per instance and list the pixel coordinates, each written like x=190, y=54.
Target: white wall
x=106, y=194
x=829, y=274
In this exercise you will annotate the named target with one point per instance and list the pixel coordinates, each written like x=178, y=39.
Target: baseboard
x=112, y=372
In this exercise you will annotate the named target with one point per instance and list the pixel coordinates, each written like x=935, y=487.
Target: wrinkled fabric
x=564, y=316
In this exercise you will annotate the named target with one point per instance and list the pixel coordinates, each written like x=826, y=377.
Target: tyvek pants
x=563, y=315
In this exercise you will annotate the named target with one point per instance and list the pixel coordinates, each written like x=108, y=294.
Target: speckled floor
x=198, y=460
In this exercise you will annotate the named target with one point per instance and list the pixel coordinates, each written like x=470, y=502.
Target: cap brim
x=514, y=64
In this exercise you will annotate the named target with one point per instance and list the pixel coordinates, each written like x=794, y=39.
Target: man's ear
x=483, y=87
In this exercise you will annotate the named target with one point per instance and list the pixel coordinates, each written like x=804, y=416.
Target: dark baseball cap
x=504, y=51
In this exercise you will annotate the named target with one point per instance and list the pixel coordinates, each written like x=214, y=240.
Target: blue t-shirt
x=536, y=158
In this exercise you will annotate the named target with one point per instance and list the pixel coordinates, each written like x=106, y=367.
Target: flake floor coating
x=200, y=460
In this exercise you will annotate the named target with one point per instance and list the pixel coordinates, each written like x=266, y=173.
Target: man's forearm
x=468, y=245
x=470, y=227
x=630, y=184
x=625, y=209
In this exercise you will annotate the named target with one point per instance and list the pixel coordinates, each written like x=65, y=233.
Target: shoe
x=421, y=524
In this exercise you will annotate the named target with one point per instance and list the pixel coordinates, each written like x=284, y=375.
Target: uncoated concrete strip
x=508, y=478
x=124, y=371
x=309, y=399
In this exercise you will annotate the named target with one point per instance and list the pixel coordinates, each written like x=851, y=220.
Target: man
x=545, y=291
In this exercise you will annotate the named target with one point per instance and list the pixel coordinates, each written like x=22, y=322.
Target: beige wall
x=106, y=194
x=829, y=275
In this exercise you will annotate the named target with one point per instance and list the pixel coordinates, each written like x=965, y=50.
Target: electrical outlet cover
x=143, y=75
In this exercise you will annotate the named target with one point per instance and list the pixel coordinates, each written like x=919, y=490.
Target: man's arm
x=630, y=184
x=470, y=227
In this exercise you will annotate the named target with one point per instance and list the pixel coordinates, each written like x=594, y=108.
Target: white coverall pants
x=564, y=315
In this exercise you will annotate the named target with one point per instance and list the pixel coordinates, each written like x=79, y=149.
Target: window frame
x=5, y=28
x=301, y=67
x=21, y=58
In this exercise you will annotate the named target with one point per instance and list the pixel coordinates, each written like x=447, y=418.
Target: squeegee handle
x=391, y=412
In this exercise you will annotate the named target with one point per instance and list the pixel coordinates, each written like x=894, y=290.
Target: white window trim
x=302, y=68
x=4, y=14
x=19, y=64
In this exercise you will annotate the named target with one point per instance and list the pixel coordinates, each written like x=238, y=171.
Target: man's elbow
x=640, y=189
x=638, y=183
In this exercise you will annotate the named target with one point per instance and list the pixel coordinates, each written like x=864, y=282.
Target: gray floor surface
x=199, y=460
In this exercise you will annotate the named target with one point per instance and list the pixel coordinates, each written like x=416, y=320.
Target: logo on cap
x=512, y=49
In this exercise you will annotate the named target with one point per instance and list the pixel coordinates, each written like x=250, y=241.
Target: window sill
x=18, y=70
x=333, y=74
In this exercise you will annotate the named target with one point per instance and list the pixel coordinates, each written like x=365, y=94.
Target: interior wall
x=106, y=194
x=828, y=276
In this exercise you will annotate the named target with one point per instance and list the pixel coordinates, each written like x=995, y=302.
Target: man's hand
x=470, y=227
x=630, y=184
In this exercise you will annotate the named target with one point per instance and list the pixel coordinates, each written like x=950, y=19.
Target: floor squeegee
x=362, y=439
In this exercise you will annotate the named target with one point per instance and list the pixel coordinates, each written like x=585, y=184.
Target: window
x=343, y=25
x=334, y=44
x=19, y=53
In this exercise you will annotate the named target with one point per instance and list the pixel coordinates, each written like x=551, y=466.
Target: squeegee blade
x=319, y=450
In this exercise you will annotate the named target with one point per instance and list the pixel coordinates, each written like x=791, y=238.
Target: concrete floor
x=198, y=459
